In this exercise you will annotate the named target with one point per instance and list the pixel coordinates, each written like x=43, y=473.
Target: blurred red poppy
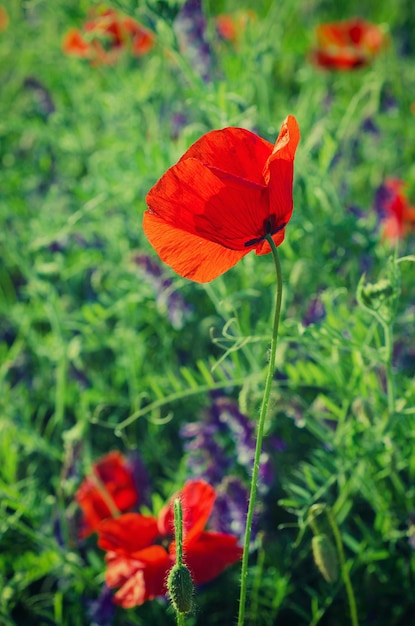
x=4, y=18
x=230, y=26
x=396, y=214
x=222, y=198
x=106, y=35
x=107, y=491
x=75, y=44
x=347, y=44
x=141, y=549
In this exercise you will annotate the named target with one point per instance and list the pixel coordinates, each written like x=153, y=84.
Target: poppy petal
x=133, y=592
x=110, y=486
x=139, y=580
x=341, y=60
x=127, y=533
x=197, y=498
x=234, y=150
x=279, y=171
x=191, y=256
x=119, y=569
x=286, y=143
x=74, y=43
x=207, y=557
x=210, y=203
x=347, y=44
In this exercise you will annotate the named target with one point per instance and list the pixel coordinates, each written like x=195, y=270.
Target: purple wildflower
x=140, y=477
x=369, y=126
x=315, y=312
x=386, y=195
x=190, y=28
x=388, y=102
x=242, y=430
x=382, y=198
x=178, y=121
x=41, y=95
x=411, y=529
x=231, y=506
x=101, y=611
x=404, y=350
x=220, y=448
x=206, y=455
x=168, y=300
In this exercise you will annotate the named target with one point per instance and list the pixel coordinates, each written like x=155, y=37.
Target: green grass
x=90, y=362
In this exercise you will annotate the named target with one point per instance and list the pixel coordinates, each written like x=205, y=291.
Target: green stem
x=343, y=567
x=178, y=530
x=390, y=384
x=260, y=434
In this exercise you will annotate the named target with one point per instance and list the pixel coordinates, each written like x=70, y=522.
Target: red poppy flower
x=396, y=214
x=230, y=26
x=106, y=35
x=74, y=43
x=109, y=489
x=141, y=549
x=142, y=39
x=221, y=199
x=4, y=18
x=347, y=44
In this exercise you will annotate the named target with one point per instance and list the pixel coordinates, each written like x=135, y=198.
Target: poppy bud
x=325, y=557
x=181, y=588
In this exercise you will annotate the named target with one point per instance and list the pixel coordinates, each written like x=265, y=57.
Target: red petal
x=197, y=498
x=339, y=59
x=279, y=171
x=74, y=43
x=191, y=256
x=286, y=143
x=233, y=150
x=119, y=569
x=347, y=44
x=207, y=557
x=332, y=34
x=111, y=483
x=128, y=533
x=133, y=592
x=140, y=580
x=142, y=39
x=4, y=19
x=209, y=203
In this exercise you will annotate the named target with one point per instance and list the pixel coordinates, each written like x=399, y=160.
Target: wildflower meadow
x=207, y=307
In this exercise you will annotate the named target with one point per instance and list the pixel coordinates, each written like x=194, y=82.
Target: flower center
x=270, y=228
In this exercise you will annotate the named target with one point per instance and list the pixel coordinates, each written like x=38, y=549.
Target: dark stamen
x=269, y=231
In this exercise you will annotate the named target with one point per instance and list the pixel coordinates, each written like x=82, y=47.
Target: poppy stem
x=260, y=434
x=178, y=530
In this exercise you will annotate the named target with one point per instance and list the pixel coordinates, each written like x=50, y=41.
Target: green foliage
x=94, y=356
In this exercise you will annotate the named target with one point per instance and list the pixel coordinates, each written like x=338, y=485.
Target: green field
x=104, y=348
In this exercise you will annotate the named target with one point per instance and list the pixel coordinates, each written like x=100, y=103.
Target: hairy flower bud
x=181, y=588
